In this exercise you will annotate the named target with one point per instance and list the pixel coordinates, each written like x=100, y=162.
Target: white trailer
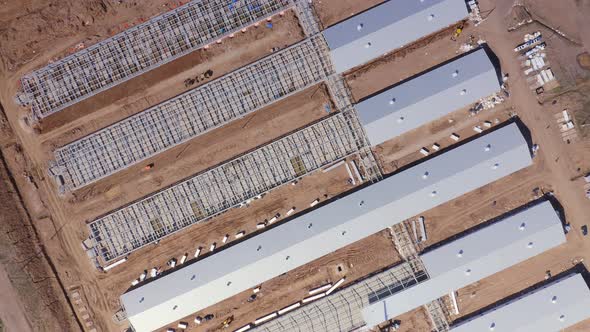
x=198, y=251
x=117, y=263
x=289, y=308
x=265, y=318
x=336, y=285
x=320, y=289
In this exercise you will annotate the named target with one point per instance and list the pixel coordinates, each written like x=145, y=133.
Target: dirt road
x=61, y=223
x=12, y=311
x=555, y=165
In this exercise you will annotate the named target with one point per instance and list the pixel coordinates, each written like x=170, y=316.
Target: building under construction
x=207, y=194
x=216, y=190
x=347, y=131
x=193, y=113
x=324, y=230
x=419, y=282
x=139, y=49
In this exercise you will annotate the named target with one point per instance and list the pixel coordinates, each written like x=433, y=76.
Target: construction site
x=295, y=165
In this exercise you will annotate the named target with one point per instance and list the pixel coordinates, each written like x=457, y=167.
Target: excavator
x=226, y=322
x=457, y=33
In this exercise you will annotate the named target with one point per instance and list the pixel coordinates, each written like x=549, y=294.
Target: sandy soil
x=403, y=150
x=33, y=32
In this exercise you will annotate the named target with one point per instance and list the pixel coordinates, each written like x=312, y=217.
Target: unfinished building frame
x=138, y=50
x=341, y=311
x=186, y=116
x=408, y=250
x=216, y=190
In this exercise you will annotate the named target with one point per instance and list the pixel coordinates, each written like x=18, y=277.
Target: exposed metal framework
x=437, y=312
x=140, y=49
x=218, y=189
x=191, y=114
x=408, y=251
x=403, y=242
x=341, y=311
x=307, y=17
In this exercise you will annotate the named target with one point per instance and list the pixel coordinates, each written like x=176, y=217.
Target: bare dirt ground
x=32, y=298
x=405, y=149
x=167, y=81
x=353, y=262
x=12, y=311
x=33, y=32
x=200, y=153
x=557, y=168
x=60, y=224
x=23, y=51
x=406, y=62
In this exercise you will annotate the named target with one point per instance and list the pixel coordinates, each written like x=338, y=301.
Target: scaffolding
x=138, y=50
x=307, y=17
x=436, y=310
x=184, y=117
x=438, y=314
x=341, y=311
x=403, y=242
x=216, y=190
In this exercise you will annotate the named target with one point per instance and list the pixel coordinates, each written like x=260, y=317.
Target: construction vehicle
x=226, y=322
x=457, y=33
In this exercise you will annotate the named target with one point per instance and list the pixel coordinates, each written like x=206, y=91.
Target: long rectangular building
x=326, y=229
x=561, y=303
x=387, y=27
x=211, y=192
x=428, y=97
x=341, y=311
x=191, y=114
x=140, y=49
x=474, y=257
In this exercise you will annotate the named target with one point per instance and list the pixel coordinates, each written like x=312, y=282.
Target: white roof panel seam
x=460, y=170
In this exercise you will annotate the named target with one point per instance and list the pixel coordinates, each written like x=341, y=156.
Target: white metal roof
x=474, y=257
x=328, y=228
x=562, y=303
x=428, y=97
x=389, y=26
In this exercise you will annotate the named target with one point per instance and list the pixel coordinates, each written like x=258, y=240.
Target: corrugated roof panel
x=464, y=251
x=372, y=20
x=474, y=257
x=328, y=228
x=554, y=307
x=428, y=97
x=387, y=27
